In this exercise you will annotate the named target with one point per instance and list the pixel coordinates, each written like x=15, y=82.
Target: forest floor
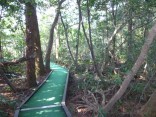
x=81, y=102
x=87, y=103
x=9, y=99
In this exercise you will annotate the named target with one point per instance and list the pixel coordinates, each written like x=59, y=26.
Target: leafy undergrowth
x=10, y=100
x=87, y=95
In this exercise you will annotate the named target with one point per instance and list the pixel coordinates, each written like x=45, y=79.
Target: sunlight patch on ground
x=50, y=99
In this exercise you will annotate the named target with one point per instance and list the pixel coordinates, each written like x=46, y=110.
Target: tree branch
x=14, y=62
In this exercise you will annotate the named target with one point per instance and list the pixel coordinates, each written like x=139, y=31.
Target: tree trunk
x=114, y=23
x=50, y=43
x=1, y=51
x=57, y=43
x=130, y=57
x=66, y=35
x=30, y=40
x=149, y=109
x=38, y=58
x=110, y=40
x=78, y=34
x=90, y=42
x=133, y=71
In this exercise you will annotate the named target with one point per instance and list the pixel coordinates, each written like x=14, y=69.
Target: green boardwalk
x=48, y=100
x=48, y=112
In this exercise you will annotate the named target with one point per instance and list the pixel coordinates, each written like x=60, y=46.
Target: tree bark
x=89, y=40
x=1, y=51
x=38, y=59
x=30, y=40
x=78, y=34
x=130, y=38
x=114, y=23
x=50, y=43
x=1, y=55
x=135, y=68
x=110, y=40
x=57, y=42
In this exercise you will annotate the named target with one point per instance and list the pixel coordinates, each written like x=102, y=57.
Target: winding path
x=49, y=99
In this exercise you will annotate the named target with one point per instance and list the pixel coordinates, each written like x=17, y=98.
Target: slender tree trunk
x=110, y=40
x=91, y=44
x=78, y=34
x=57, y=43
x=145, y=31
x=1, y=12
x=130, y=41
x=134, y=70
x=66, y=35
x=30, y=40
x=38, y=59
x=1, y=56
x=114, y=23
x=50, y=43
x=0, y=50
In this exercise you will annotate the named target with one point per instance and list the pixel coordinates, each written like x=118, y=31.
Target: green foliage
x=118, y=105
x=7, y=88
x=89, y=83
x=138, y=88
x=3, y=114
x=5, y=101
x=12, y=40
x=92, y=84
x=92, y=2
x=101, y=112
x=116, y=79
x=53, y=2
x=29, y=1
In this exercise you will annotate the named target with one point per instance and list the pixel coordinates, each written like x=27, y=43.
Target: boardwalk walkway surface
x=49, y=99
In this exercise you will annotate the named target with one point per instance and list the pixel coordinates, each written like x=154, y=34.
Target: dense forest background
x=108, y=46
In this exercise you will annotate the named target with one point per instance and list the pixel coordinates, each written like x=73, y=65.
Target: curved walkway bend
x=49, y=99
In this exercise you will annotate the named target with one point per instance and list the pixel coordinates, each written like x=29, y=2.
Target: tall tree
x=90, y=42
x=50, y=43
x=0, y=50
x=130, y=39
x=114, y=10
x=57, y=44
x=0, y=37
x=38, y=58
x=67, y=40
x=135, y=68
x=78, y=34
x=30, y=43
